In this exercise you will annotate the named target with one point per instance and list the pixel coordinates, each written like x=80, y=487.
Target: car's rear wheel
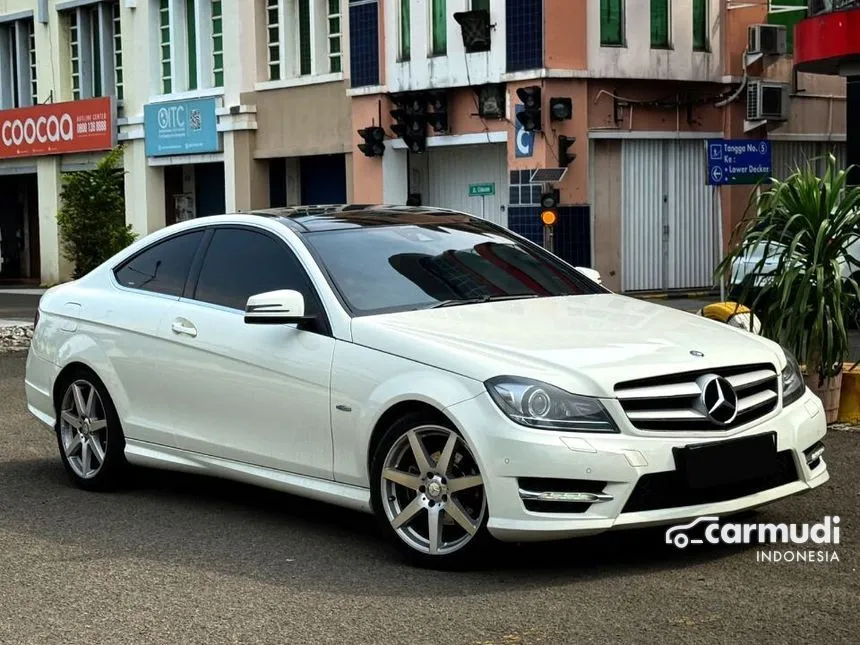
x=89, y=434
x=428, y=493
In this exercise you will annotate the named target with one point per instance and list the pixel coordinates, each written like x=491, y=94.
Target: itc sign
x=58, y=128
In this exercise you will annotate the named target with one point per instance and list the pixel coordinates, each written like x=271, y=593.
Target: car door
x=256, y=394
x=147, y=286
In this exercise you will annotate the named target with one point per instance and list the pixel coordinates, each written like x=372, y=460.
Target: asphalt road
x=182, y=559
x=15, y=305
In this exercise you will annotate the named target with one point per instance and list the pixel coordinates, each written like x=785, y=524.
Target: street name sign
x=738, y=161
x=482, y=190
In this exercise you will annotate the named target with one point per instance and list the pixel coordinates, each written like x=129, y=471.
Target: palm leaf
x=806, y=223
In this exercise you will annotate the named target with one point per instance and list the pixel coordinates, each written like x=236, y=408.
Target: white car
x=760, y=261
x=427, y=366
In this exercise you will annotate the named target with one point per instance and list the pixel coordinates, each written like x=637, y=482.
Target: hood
x=584, y=344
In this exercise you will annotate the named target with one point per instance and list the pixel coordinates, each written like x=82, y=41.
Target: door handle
x=182, y=326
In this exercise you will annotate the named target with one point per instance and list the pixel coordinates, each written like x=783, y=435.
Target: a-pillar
x=852, y=128
x=144, y=190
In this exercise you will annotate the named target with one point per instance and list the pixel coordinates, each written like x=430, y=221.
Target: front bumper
x=637, y=468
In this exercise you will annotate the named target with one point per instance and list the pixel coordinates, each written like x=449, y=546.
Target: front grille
x=668, y=490
x=672, y=402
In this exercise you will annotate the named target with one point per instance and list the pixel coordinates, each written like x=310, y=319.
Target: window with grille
x=164, y=41
x=95, y=50
x=334, y=37
x=117, y=51
x=273, y=29
x=31, y=40
x=303, y=38
x=190, y=34
x=217, y=44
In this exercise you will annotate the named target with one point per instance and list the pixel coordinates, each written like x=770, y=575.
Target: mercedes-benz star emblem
x=718, y=400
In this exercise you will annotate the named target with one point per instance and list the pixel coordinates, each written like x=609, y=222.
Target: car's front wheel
x=89, y=435
x=428, y=493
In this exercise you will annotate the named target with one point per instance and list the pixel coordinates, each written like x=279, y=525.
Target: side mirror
x=591, y=274
x=283, y=307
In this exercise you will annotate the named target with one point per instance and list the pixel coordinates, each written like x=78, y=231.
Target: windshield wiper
x=482, y=299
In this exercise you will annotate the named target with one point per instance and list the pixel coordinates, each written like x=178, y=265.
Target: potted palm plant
x=802, y=231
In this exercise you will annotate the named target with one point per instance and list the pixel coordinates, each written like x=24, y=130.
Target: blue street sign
x=738, y=161
x=525, y=141
x=181, y=127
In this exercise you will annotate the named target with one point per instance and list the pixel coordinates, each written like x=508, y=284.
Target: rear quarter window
x=163, y=267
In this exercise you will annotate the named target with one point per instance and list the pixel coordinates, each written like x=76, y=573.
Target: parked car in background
x=760, y=261
x=432, y=368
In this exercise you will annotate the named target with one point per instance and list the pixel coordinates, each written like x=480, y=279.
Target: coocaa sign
x=78, y=126
x=41, y=129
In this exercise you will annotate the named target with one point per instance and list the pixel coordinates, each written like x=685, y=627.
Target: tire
x=88, y=432
x=405, y=500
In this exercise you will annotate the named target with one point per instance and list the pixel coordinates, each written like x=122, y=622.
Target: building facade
x=220, y=105
x=226, y=105
x=648, y=83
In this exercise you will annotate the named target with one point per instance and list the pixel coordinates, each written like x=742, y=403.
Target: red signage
x=826, y=42
x=58, y=128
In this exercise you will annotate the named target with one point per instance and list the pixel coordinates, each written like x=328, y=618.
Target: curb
x=667, y=295
x=15, y=337
x=849, y=397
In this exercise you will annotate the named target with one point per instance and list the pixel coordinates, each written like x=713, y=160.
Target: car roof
x=343, y=216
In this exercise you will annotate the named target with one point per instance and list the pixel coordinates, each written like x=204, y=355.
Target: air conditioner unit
x=767, y=101
x=770, y=40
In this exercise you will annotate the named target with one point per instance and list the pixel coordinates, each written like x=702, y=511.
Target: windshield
x=394, y=268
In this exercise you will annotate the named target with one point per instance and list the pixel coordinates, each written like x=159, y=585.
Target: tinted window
x=242, y=263
x=162, y=268
x=390, y=268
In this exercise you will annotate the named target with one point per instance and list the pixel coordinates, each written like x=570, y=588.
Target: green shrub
x=92, y=216
x=808, y=224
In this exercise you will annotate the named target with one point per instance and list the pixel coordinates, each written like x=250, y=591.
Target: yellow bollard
x=733, y=314
x=849, y=398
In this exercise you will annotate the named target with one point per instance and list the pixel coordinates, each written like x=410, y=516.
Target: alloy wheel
x=83, y=429
x=432, y=490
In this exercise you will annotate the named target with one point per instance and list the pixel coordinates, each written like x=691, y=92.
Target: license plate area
x=724, y=463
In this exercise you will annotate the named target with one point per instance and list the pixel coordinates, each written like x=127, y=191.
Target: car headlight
x=539, y=405
x=793, y=386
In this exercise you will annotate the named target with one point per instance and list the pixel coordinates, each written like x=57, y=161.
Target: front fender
x=360, y=397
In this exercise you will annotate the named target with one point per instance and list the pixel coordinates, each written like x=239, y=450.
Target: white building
x=221, y=105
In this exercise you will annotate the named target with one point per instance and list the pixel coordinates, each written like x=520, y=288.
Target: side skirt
x=142, y=453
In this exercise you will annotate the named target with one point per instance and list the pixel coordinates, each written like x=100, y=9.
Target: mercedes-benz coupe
x=432, y=368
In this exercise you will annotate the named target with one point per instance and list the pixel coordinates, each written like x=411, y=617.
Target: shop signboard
x=181, y=127
x=58, y=128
